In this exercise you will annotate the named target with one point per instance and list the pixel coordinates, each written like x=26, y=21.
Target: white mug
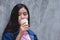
x=24, y=21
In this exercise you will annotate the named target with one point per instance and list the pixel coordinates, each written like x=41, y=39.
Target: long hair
x=12, y=25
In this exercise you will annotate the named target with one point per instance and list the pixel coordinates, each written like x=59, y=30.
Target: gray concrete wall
x=45, y=17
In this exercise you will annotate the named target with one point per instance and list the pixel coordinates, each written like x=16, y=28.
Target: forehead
x=22, y=10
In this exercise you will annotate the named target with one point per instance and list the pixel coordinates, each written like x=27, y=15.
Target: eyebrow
x=24, y=12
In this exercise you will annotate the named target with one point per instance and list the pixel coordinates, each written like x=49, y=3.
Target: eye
x=25, y=13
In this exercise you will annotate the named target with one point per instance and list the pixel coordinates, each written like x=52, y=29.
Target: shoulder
x=7, y=36
x=31, y=33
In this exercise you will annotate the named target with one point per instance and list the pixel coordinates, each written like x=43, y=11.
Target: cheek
x=26, y=16
x=19, y=18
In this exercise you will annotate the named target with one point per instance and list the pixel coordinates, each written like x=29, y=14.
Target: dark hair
x=12, y=25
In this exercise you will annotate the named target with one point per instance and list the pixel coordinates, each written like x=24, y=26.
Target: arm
x=19, y=36
x=22, y=29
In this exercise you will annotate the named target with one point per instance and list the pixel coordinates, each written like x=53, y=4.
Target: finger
x=26, y=28
x=25, y=25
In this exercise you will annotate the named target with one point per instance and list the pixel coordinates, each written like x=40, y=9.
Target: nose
x=22, y=16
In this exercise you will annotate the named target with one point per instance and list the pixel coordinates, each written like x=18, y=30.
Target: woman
x=17, y=30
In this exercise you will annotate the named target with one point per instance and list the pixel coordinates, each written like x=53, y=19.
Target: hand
x=24, y=27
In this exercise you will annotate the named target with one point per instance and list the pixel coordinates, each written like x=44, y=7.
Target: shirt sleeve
x=7, y=36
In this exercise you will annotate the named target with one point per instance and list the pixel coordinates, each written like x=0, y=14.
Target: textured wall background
x=45, y=17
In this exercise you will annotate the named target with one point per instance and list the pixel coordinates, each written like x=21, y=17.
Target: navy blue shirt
x=10, y=36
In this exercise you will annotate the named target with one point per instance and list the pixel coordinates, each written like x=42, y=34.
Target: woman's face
x=23, y=14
